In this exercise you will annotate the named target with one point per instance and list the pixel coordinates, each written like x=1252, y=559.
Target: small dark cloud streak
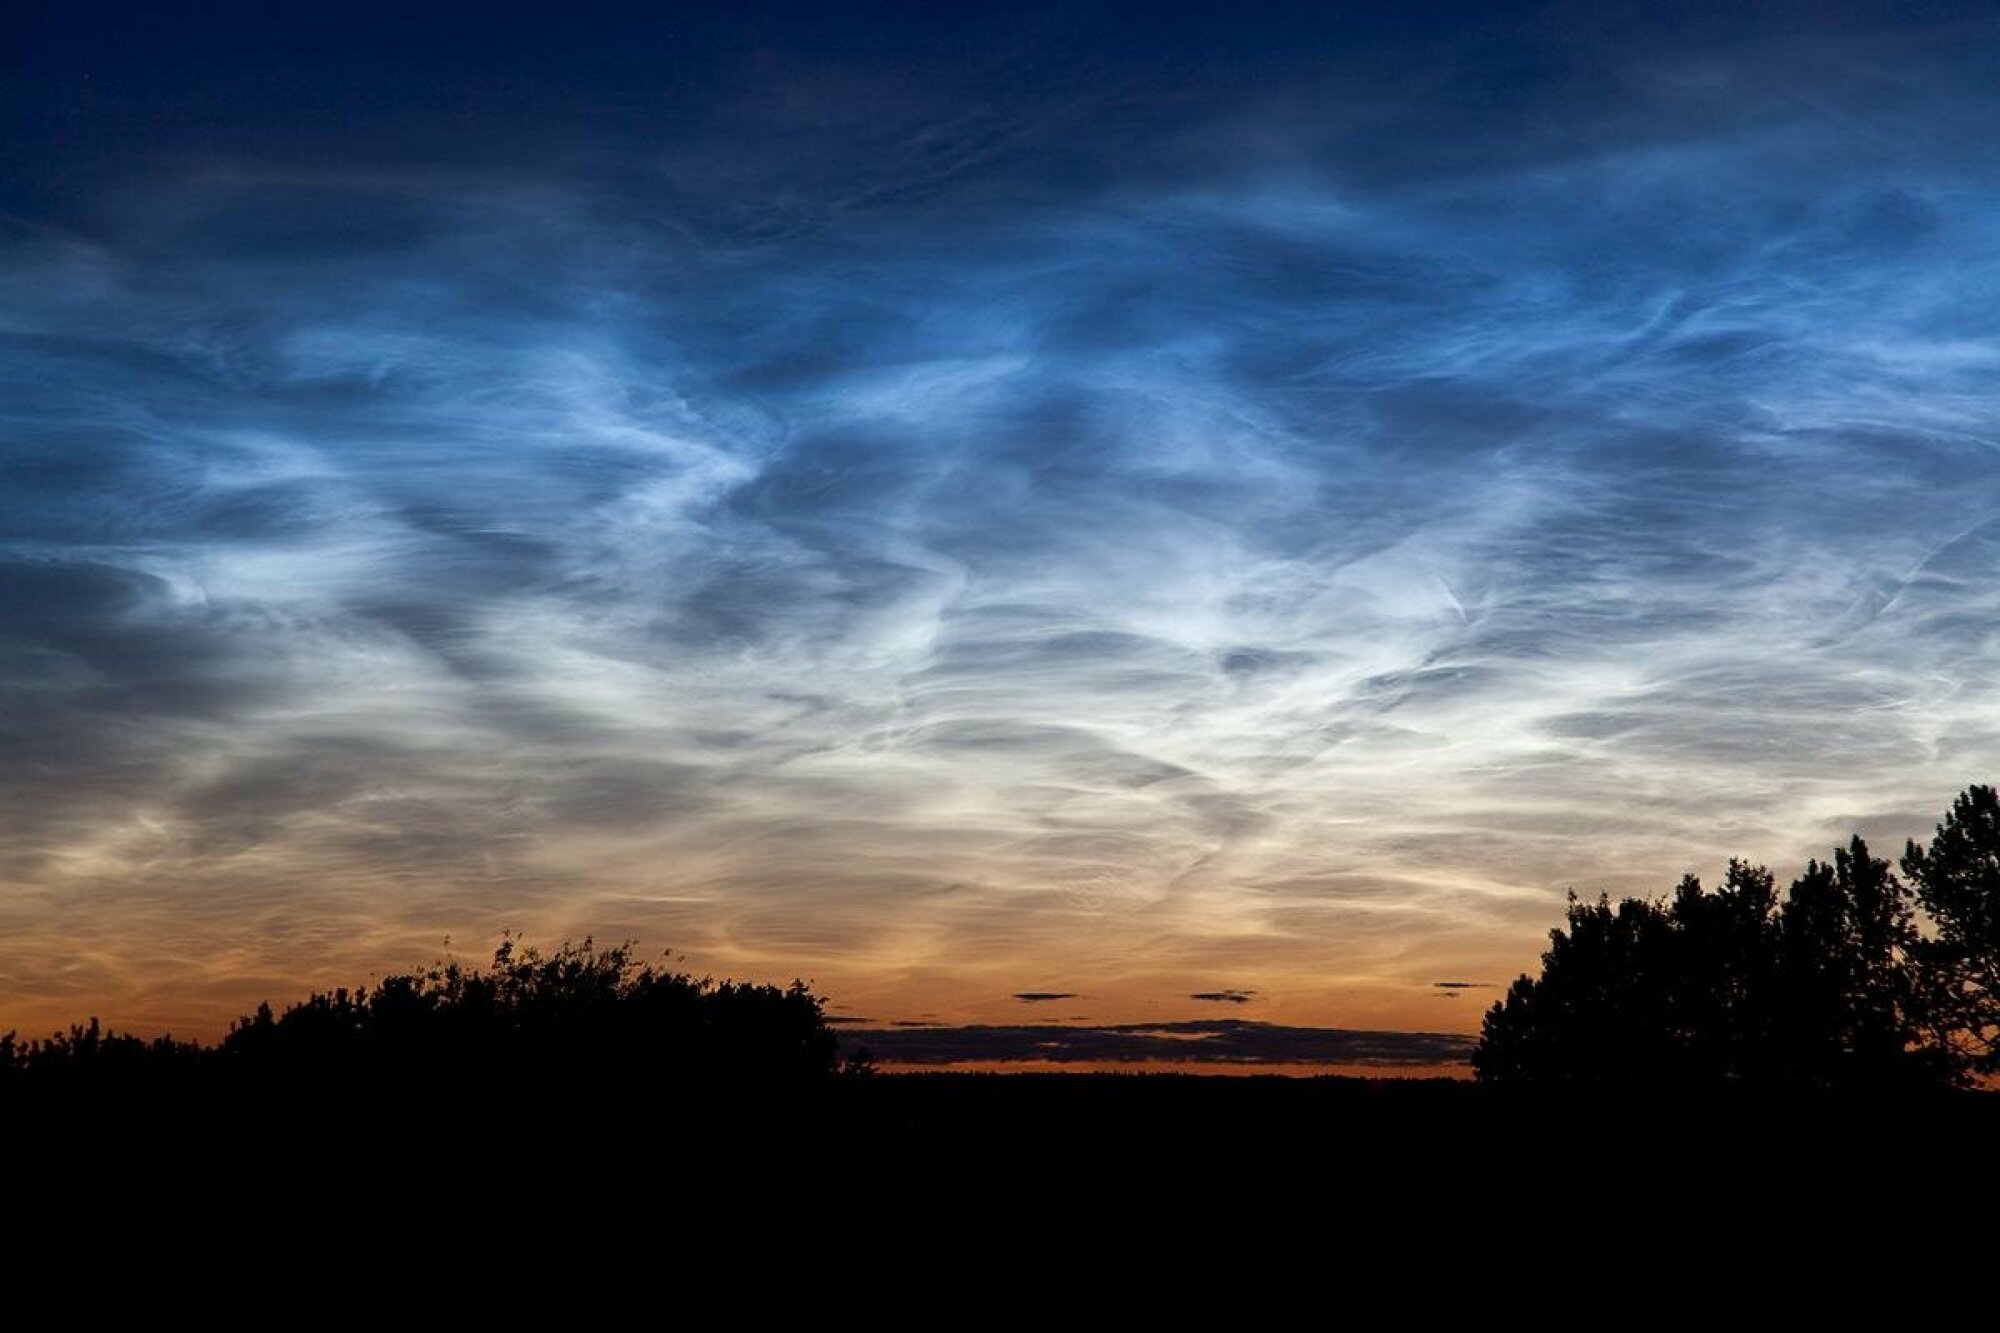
x=1224, y=996
x=1043, y=996
x=1191, y=1041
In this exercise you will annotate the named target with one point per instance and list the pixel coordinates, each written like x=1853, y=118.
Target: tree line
x=583, y=1020
x=1855, y=977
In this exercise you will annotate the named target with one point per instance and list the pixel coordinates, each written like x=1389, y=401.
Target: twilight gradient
x=951, y=503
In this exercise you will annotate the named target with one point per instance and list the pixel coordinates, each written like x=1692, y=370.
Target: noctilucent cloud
x=963, y=503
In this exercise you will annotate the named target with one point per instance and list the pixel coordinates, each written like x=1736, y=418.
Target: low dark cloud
x=1199, y=1041
x=1042, y=996
x=1463, y=985
x=1224, y=996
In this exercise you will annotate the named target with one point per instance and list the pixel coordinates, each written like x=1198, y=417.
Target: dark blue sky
x=1125, y=501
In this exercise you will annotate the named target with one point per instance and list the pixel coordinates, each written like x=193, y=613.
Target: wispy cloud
x=1138, y=522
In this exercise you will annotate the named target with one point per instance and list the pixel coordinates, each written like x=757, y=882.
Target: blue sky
x=957, y=504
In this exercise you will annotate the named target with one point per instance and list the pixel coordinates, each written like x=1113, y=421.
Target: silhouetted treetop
x=1839, y=984
x=1957, y=882
x=581, y=1019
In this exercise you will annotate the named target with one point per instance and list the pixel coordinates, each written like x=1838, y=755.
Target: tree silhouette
x=1647, y=991
x=584, y=1022
x=1957, y=882
x=1840, y=985
x=1847, y=1002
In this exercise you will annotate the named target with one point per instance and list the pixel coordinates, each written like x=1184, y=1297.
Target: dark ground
x=1028, y=1112
x=976, y=1188
x=1383, y=1135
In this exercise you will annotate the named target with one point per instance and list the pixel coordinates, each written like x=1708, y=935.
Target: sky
x=1181, y=523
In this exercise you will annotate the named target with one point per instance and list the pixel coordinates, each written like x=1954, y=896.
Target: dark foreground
x=1010, y=1131
x=952, y=1189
